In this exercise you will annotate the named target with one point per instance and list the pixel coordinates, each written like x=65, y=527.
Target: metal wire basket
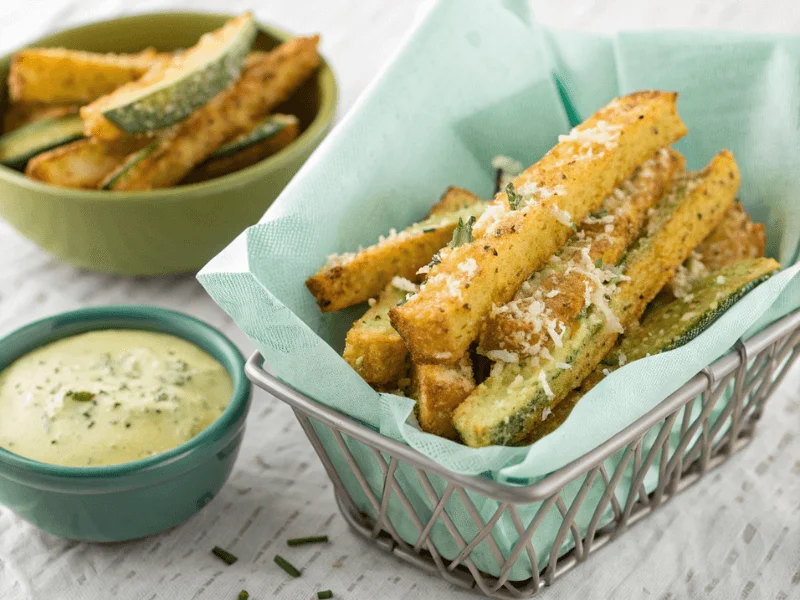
x=377, y=480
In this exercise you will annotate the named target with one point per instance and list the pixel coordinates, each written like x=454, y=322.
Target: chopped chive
x=286, y=566
x=314, y=539
x=225, y=555
x=324, y=594
x=244, y=595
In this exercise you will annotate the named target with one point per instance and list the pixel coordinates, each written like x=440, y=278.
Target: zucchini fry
x=268, y=137
x=263, y=85
x=373, y=348
x=25, y=113
x=555, y=295
x=82, y=164
x=668, y=327
x=438, y=390
x=525, y=225
x=61, y=76
x=735, y=239
x=174, y=86
x=505, y=407
x=349, y=279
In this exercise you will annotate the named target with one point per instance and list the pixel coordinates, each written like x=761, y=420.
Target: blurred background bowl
x=166, y=230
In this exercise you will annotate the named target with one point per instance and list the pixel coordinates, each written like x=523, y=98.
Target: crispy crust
x=507, y=329
x=683, y=219
x=648, y=338
x=95, y=122
x=440, y=322
x=438, y=390
x=25, y=113
x=735, y=239
x=82, y=164
x=61, y=76
x=344, y=283
x=263, y=85
x=217, y=167
x=373, y=348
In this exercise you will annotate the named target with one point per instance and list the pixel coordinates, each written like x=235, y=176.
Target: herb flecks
x=324, y=594
x=463, y=233
x=80, y=396
x=514, y=199
x=244, y=595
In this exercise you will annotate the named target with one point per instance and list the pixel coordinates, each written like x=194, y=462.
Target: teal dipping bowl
x=135, y=499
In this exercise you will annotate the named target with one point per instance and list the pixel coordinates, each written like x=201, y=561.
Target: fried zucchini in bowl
x=157, y=230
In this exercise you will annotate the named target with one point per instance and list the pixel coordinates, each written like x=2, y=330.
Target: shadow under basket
x=507, y=540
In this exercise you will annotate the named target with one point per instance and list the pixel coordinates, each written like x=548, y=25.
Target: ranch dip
x=109, y=396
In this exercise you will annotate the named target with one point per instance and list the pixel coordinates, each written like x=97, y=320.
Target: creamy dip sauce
x=109, y=396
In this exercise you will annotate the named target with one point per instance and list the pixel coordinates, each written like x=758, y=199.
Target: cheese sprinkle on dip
x=108, y=397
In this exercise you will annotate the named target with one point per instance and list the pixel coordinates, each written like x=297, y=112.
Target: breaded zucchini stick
x=244, y=151
x=735, y=239
x=672, y=325
x=438, y=390
x=352, y=278
x=264, y=84
x=25, y=113
x=61, y=76
x=554, y=296
x=526, y=224
x=84, y=163
x=505, y=407
x=372, y=346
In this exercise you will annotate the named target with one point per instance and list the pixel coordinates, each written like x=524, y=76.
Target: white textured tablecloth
x=734, y=535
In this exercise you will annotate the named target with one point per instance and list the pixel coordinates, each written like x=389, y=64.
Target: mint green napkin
x=477, y=79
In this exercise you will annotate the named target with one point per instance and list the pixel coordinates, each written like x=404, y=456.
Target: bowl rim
x=149, y=318
x=322, y=121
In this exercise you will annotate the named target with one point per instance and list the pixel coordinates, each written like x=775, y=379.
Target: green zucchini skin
x=266, y=129
x=678, y=322
x=126, y=166
x=168, y=103
x=22, y=144
x=665, y=329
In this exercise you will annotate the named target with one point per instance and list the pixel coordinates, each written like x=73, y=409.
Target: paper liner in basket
x=476, y=79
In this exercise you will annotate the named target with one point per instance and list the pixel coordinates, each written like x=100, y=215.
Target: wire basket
x=476, y=532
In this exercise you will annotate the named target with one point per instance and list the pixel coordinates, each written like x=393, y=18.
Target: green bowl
x=130, y=500
x=160, y=231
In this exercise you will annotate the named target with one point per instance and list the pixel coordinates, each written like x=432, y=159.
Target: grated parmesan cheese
x=563, y=366
x=720, y=279
x=469, y=266
x=503, y=356
x=622, y=359
x=372, y=302
x=562, y=215
x=401, y=283
x=546, y=413
x=603, y=133
x=545, y=386
x=554, y=334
